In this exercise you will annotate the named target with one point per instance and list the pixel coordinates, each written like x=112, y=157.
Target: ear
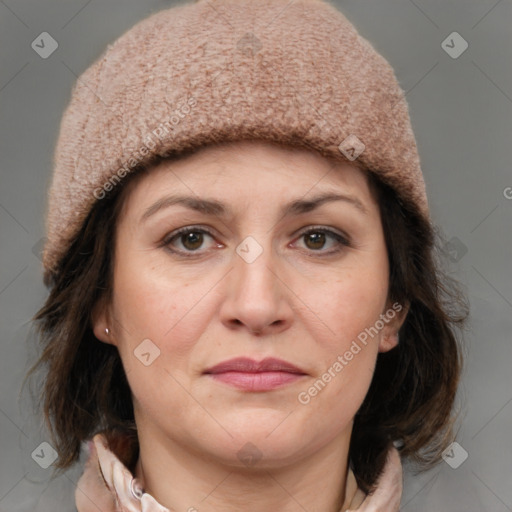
x=393, y=318
x=101, y=321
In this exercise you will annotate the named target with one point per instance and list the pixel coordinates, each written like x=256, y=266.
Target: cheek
x=346, y=347
x=171, y=314
x=345, y=303
x=341, y=318
x=165, y=309
x=358, y=306
x=349, y=307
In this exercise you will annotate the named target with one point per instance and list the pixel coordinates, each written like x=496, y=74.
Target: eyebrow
x=214, y=207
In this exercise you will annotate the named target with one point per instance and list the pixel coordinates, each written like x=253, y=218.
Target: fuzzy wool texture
x=214, y=71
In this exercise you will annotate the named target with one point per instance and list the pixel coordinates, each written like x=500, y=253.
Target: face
x=254, y=251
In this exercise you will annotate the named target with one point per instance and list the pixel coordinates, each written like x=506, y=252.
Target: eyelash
x=342, y=240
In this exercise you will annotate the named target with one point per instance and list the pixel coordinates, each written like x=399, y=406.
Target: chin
x=262, y=444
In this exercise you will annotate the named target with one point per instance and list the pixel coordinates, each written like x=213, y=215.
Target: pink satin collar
x=107, y=485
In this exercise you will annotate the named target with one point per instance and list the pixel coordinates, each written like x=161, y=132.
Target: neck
x=195, y=480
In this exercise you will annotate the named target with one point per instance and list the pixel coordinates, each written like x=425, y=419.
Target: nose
x=257, y=299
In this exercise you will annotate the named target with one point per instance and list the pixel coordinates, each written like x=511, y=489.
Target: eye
x=315, y=239
x=191, y=239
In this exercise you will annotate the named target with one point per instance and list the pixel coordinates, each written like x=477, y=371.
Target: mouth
x=250, y=375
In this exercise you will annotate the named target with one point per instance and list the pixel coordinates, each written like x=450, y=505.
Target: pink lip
x=251, y=375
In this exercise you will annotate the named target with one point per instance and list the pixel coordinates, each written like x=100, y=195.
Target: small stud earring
x=107, y=331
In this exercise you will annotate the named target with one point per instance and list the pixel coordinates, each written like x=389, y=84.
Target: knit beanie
x=212, y=71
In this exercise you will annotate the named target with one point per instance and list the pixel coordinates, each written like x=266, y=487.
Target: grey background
x=461, y=111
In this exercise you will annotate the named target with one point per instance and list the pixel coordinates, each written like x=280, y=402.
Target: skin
x=295, y=301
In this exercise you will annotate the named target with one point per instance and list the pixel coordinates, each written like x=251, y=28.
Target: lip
x=251, y=375
x=246, y=364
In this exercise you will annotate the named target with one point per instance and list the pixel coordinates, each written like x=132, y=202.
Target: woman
x=245, y=310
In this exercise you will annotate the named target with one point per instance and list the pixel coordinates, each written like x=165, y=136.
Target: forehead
x=250, y=168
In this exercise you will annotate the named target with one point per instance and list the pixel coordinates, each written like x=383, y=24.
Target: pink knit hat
x=222, y=70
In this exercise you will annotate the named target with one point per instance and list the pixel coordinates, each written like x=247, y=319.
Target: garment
x=107, y=485
x=296, y=73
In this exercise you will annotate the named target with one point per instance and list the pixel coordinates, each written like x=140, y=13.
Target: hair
x=410, y=399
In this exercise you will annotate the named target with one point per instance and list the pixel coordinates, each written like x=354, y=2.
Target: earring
x=107, y=331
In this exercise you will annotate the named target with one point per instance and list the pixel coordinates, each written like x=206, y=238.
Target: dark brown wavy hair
x=411, y=398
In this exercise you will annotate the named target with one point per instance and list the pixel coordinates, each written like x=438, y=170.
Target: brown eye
x=315, y=239
x=187, y=240
x=192, y=240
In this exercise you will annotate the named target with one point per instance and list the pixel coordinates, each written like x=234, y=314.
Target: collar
x=107, y=485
